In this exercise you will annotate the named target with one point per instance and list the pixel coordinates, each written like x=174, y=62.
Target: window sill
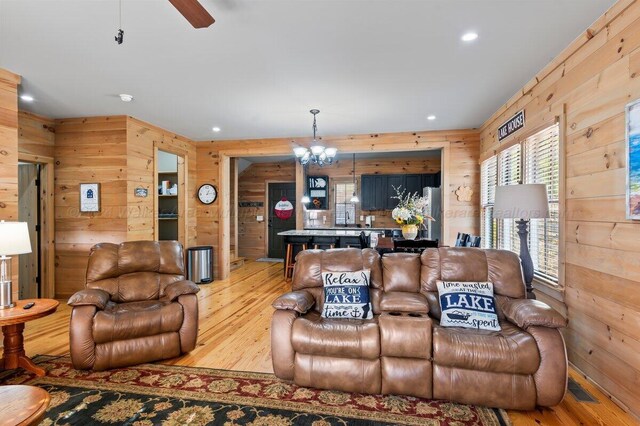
x=549, y=288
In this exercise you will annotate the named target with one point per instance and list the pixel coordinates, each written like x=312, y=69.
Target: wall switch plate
x=260, y=218
x=324, y=219
x=361, y=218
x=373, y=218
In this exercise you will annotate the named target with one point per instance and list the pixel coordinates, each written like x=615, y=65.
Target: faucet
x=346, y=222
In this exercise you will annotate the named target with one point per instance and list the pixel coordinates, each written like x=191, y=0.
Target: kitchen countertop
x=350, y=228
x=325, y=232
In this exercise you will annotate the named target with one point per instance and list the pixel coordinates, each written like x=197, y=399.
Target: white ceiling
x=368, y=65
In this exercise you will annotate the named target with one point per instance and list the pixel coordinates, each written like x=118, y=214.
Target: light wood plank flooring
x=235, y=317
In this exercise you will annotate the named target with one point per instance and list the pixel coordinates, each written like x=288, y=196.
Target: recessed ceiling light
x=470, y=36
x=216, y=129
x=125, y=98
x=431, y=117
x=27, y=98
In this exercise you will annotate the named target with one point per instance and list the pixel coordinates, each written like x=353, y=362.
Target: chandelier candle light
x=317, y=154
x=410, y=212
x=15, y=240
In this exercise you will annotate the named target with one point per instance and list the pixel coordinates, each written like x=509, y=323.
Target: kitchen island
x=344, y=237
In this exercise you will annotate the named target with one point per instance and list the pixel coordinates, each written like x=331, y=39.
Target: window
x=345, y=210
x=542, y=165
x=535, y=160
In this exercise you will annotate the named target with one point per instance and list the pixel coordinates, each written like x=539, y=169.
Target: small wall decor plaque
x=141, y=192
x=511, y=126
x=464, y=193
x=89, y=197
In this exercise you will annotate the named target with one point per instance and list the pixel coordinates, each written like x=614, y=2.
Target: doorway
x=276, y=192
x=170, y=198
x=29, y=195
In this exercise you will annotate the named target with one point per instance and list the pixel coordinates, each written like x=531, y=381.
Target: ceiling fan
x=194, y=12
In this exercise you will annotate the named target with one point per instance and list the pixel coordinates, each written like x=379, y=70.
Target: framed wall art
x=89, y=197
x=633, y=160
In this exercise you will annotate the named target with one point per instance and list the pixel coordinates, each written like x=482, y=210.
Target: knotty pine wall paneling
x=588, y=85
x=9, y=156
x=88, y=150
x=117, y=152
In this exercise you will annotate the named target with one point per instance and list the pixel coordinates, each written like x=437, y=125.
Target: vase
x=410, y=232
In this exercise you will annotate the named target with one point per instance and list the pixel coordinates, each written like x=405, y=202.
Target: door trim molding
x=47, y=216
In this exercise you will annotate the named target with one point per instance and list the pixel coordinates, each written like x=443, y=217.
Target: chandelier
x=317, y=154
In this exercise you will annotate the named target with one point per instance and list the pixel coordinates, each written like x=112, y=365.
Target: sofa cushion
x=346, y=295
x=311, y=334
x=511, y=350
x=122, y=321
x=398, y=301
x=401, y=272
x=468, y=304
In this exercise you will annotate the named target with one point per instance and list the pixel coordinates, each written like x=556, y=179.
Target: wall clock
x=207, y=193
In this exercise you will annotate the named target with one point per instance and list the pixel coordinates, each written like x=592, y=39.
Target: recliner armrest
x=529, y=312
x=300, y=301
x=90, y=297
x=401, y=301
x=178, y=288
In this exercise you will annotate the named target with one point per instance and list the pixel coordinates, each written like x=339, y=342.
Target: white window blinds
x=488, y=182
x=542, y=165
x=509, y=173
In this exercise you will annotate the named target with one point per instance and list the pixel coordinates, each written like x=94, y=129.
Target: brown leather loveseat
x=403, y=349
x=137, y=306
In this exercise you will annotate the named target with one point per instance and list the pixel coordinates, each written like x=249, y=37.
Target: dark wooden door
x=274, y=224
x=29, y=211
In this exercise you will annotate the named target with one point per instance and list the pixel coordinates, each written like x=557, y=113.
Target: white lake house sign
x=511, y=126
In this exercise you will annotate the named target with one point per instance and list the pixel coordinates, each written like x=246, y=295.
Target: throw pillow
x=468, y=305
x=346, y=295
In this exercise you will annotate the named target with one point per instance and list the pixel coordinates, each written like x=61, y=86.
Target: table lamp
x=14, y=239
x=522, y=202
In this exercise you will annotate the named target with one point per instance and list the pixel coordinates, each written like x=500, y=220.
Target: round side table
x=12, y=321
x=22, y=405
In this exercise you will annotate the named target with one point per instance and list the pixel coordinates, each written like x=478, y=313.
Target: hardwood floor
x=235, y=316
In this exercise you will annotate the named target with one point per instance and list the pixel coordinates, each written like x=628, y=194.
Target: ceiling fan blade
x=194, y=12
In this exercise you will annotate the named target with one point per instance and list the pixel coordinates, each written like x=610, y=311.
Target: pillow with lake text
x=468, y=305
x=346, y=295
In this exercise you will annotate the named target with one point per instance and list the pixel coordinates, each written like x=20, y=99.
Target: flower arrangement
x=410, y=210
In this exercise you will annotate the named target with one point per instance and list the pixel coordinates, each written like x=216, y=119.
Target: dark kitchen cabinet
x=413, y=184
x=377, y=190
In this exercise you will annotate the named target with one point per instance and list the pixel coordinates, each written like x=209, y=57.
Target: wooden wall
x=463, y=147
x=9, y=156
x=252, y=184
x=340, y=171
x=587, y=87
x=88, y=150
x=36, y=134
x=117, y=152
x=142, y=137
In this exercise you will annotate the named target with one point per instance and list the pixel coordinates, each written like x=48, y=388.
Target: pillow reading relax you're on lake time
x=468, y=304
x=346, y=295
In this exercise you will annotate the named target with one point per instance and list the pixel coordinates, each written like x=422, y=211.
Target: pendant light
x=354, y=197
x=317, y=154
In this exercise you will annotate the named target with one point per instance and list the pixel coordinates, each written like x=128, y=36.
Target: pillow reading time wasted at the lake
x=346, y=295
x=468, y=304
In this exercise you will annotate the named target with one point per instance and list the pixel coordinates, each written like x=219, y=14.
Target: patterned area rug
x=154, y=394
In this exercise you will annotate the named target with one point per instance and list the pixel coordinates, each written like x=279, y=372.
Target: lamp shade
x=14, y=238
x=521, y=202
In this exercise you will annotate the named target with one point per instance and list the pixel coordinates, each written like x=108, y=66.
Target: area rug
x=154, y=394
x=270, y=260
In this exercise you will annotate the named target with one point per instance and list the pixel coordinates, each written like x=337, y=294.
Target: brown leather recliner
x=519, y=367
x=137, y=307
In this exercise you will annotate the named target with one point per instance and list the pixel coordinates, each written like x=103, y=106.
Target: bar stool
x=293, y=243
x=324, y=242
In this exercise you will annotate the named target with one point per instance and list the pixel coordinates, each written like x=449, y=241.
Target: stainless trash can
x=200, y=264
